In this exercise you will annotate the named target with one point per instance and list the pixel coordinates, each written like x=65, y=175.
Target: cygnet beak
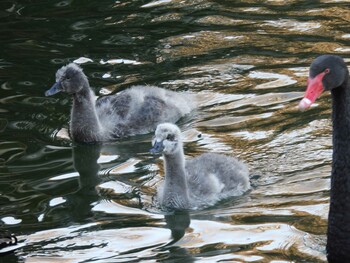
x=54, y=89
x=158, y=147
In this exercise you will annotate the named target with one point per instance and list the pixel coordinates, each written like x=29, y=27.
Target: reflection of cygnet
x=177, y=222
x=199, y=182
x=136, y=110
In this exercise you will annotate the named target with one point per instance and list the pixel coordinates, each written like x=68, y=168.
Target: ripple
x=263, y=237
x=197, y=43
x=56, y=201
x=120, y=61
x=3, y=124
x=280, y=80
x=157, y=3
x=10, y=151
x=62, y=134
x=58, y=61
x=106, y=158
x=256, y=135
x=10, y=99
x=9, y=220
x=78, y=37
x=127, y=167
x=116, y=187
x=64, y=176
x=63, y=3
x=109, y=244
x=232, y=121
x=246, y=62
x=223, y=20
x=264, y=100
x=22, y=125
x=84, y=25
x=26, y=83
x=82, y=60
x=293, y=25
x=112, y=207
x=170, y=17
x=6, y=86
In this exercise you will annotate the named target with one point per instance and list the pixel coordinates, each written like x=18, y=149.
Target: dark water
x=246, y=60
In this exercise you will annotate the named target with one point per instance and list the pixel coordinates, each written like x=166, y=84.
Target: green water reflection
x=247, y=62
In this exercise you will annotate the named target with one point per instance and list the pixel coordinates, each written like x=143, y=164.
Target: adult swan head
x=330, y=72
x=137, y=110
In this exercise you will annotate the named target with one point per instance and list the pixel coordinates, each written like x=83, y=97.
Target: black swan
x=136, y=110
x=328, y=72
x=198, y=182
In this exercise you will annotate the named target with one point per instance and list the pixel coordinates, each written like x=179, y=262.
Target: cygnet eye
x=66, y=76
x=170, y=137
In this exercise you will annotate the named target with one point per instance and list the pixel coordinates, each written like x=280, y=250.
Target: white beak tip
x=304, y=104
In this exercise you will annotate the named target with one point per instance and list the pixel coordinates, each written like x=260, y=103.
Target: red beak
x=313, y=91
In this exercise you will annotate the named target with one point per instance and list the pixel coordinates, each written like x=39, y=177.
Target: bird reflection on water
x=85, y=163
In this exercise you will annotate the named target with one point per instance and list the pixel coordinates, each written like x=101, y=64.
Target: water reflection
x=85, y=162
x=246, y=60
x=177, y=222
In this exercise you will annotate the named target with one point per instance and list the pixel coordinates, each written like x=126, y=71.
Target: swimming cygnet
x=137, y=110
x=199, y=182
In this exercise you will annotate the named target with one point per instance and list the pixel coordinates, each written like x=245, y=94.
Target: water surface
x=247, y=61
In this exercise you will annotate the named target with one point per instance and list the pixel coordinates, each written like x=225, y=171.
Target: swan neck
x=338, y=243
x=341, y=123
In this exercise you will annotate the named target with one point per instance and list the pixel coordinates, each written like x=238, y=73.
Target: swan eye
x=327, y=71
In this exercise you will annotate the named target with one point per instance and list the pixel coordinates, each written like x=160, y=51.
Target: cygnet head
x=167, y=139
x=70, y=79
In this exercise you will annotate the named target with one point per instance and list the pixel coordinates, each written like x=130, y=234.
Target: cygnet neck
x=175, y=177
x=85, y=125
x=174, y=165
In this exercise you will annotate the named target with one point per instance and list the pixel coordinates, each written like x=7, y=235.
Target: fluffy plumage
x=136, y=110
x=199, y=182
